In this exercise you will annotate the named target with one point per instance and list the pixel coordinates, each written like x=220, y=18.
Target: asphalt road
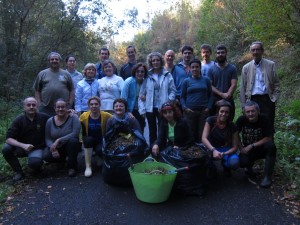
x=58, y=199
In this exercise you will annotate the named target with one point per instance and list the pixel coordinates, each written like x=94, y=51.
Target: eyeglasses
x=166, y=105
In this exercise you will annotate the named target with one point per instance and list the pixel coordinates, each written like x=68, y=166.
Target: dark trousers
x=266, y=106
x=92, y=142
x=153, y=120
x=266, y=151
x=140, y=119
x=70, y=149
x=196, y=121
x=12, y=153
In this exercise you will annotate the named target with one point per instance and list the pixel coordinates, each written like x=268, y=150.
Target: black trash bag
x=192, y=181
x=116, y=150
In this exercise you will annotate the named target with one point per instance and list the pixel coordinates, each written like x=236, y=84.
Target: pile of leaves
x=193, y=151
x=120, y=141
x=156, y=171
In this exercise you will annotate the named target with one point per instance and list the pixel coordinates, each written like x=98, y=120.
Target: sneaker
x=18, y=176
x=266, y=182
x=72, y=173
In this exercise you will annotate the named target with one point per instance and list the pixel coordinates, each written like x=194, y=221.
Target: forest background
x=30, y=29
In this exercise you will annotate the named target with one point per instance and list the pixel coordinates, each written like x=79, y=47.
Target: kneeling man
x=26, y=137
x=257, y=143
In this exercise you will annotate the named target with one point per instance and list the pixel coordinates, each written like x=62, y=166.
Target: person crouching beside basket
x=220, y=136
x=175, y=144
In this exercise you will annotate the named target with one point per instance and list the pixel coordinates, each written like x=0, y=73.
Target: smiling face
x=103, y=55
x=196, y=70
x=61, y=108
x=156, y=63
x=169, y=57
x=90, y=72
x=140, y=73
x=30, y=107
x=94, y=106
x=131, y=54
x=119, y=108
x=187, y=56
x=54, y=62
x=71, y=63
x=224, y=113
x=108, y=69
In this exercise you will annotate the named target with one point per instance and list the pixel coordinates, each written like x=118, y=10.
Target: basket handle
x=149, y=159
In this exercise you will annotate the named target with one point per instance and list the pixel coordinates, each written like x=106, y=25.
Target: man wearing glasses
x=26, y=138
x=223, y=76
x=260, y=83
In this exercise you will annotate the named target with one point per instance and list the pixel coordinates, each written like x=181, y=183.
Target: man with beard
x=206, y=63
x=223, y=76
x=51, y=84
x=260, y=82
x=182, y=69
x=26, y=137
x=169, y=60
x=126, y=70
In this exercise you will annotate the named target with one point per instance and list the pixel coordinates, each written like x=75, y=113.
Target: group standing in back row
x=196, y=85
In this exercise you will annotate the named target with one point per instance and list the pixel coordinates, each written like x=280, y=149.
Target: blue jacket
x=129, y=92
x=83, y=92
x=179, y=74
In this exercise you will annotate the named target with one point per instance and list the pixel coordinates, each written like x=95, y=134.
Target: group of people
x=184, y=103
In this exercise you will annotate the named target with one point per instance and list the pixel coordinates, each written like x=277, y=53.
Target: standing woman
x=158, y=88
x=196, y=99
x=86, y=88
x=71, y=68
x=220, y=136
x=93, y=125
x=110, y=86
x=62, y=137
x=131, y=90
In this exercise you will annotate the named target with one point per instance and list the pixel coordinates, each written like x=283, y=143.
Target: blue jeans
x=230, y=161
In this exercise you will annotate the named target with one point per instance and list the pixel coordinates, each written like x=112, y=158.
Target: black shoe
x=18, y=176
x=72, y=173
x=266, y=182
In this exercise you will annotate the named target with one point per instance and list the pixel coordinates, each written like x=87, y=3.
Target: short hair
x=109, y=61
x=221, y=47
x=69, y=56
x=131, y=46
x=258, y=43
x=120, y=100
x=94, y=98
x=54, y=53
x=26, y=99
x=195, y=61
x=138, y=65
x=159, y=55
x=88, y=66
x=104, y=49
x=251, y=103
x=207, y=47
x=59, y=100
x=187, y=47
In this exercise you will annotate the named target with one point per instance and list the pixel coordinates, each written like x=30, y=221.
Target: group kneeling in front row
x=54, y=139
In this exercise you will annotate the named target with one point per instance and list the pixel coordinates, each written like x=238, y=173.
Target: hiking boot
x=72, y=173
x=18, y=176
x=266, y=182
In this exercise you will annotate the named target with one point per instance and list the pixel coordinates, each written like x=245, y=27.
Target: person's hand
x=72, y=112
x=155, y=150
x=55, y=154
x=206, y=110
x=53, y=147
x=131, y=116
x=175, y=146
x=217, y=154
x=188, y=110
x=246, y=149
x=28, y=147
x=143, y=98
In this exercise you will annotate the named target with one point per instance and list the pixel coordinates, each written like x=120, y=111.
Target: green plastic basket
x=152, y=188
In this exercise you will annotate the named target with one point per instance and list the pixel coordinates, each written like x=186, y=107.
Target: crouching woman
x=220, y=136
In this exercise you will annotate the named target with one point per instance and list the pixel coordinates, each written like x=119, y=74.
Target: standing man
x=169, y=61
x=126, y=70
x=103, y=55
x=206, y=63
x=223, y=76
x=53, y=83
x=182, y=69
x=26, y=137
x=260, y=82
x=257, y=142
